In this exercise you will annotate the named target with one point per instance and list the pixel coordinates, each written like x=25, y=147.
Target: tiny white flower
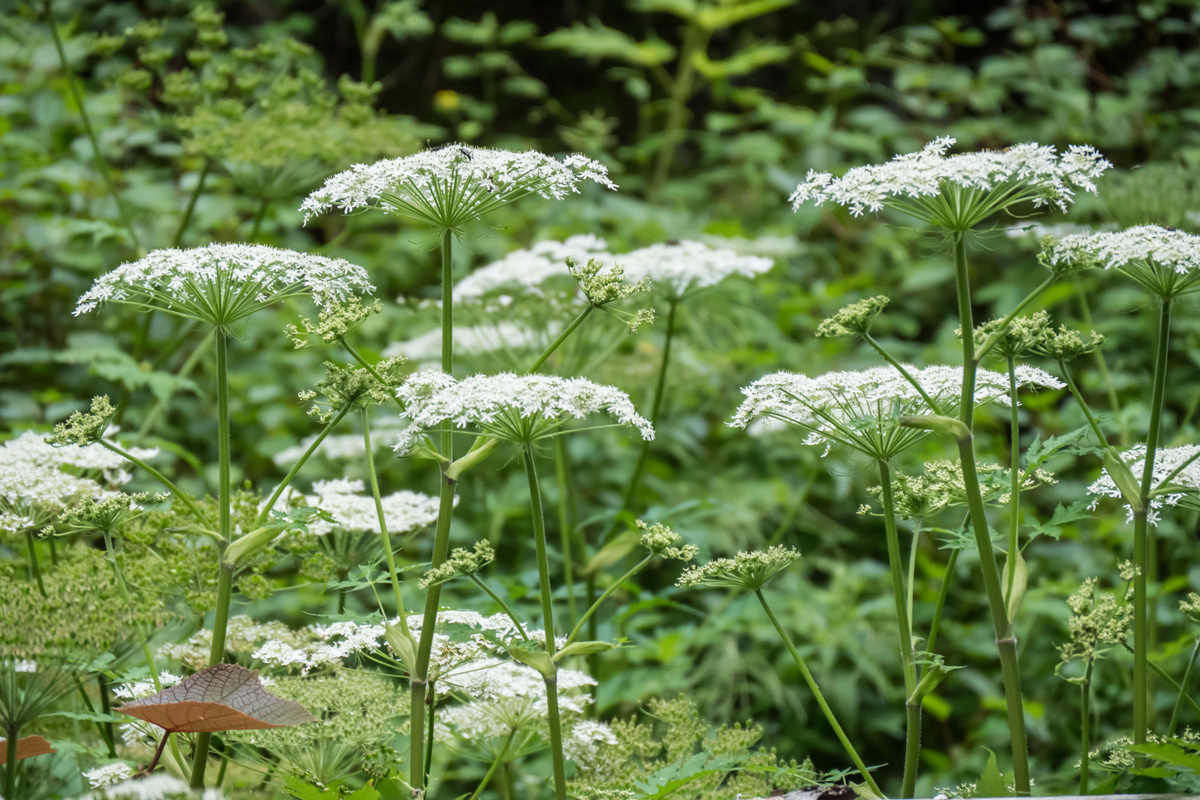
x=109, y=774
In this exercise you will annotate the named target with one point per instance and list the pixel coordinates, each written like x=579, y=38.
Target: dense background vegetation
x=707, y=121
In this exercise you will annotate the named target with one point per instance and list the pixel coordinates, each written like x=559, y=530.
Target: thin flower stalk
x=300, y=462
x=388, y=552
x=1183, y=684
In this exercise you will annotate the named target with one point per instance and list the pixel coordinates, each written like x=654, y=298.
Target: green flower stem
x=182, y=496
x=1006, y=640
x=539, y=540
x=11, y=734
x=287, y=479
x=490, y=592
x=35, y=570
x=820, y=698
x=441, y=540
x=387, y=542
x=607, y=593
x=101, y=163
x=492, y=769
x=186, y=219
x=912, y=746
x=429, y=726
x=869, y=339
x=565, y=528
x=1143, y=713
x=1085, y=726
x=940, y=605
x=1183, y=684
x=420, y=680
x=225, y=581
x=1014, y=487
x=101, y=728
x=995, y=336
x=1174, y=684
x=562, y=337
x=189, y=364
x=655, y=408
x=1087, y=412
x=106, y=705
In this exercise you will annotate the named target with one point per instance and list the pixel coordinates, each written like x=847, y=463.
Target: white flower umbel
x=109, y=774
x=676, y=268
x=1176, y=478
x=959, y=191
x=862, y=410
x=223, y=283
x=447, y=186
x=523, y=272
x=508, y=407
x=1163, y=260
x=355, y=511
x=159, y=786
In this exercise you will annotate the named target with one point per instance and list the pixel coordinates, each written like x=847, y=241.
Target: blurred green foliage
x=707, y=114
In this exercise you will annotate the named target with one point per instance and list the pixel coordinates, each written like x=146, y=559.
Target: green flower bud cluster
x=602, y=287
x=350, y=388
x=84, y=429
x=853, y=320
x=745, y=571
x=460, y=562
x=1098, y=618
x=333, y=323
x=662, y=541
x=1066, y=344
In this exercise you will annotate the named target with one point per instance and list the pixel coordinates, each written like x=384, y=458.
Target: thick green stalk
x=420, y=680
x=1085, y=727
x=224, y=527
x=820, y=698
x=562, y=337
x=101, y=163
x=912, y=746
x=1143, y=711
x=1183, y=684
x=441, y=540
x=565, y=529
x=539, y=540
x=1006, y=640
x=12, y=733
x=387, y=542
x=1014, y=487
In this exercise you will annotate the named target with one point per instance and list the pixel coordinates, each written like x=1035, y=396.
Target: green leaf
x=992, y=783
x=538, y=659
x=1063, y=515
x=678, y=774
x=1171, y=754
x=1018, y=581
x=596, y=41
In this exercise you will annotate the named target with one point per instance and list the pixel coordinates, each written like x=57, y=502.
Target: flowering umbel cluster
x=1098, y=618
x=1176, y=478
x=508, y=407
x=1165, y=261
x=222, y=283
x=863, y=409
x=745, y=571
x=447, y=186
x=461, y=561
x=852, y=320
x=991, y=180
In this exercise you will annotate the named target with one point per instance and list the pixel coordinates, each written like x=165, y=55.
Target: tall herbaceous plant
x=953, y=194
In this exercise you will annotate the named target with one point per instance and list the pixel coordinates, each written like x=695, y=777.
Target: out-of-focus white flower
x=1176, y=476
x=222, y=283
x=516, y=408
x=109, y=774
x=1163, y=260
x=582, y=745
x=862, y=410
x=159, y=786
x=992, y=181
x=1055, y=230
x=475, y=340
x=525, y=271
x=677, y=268
x=447, y=186
x=355, y=511
x=139, y=689
x=768, y=246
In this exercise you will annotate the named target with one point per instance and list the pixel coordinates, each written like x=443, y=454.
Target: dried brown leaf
x=227, y=697
x=27, y=747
